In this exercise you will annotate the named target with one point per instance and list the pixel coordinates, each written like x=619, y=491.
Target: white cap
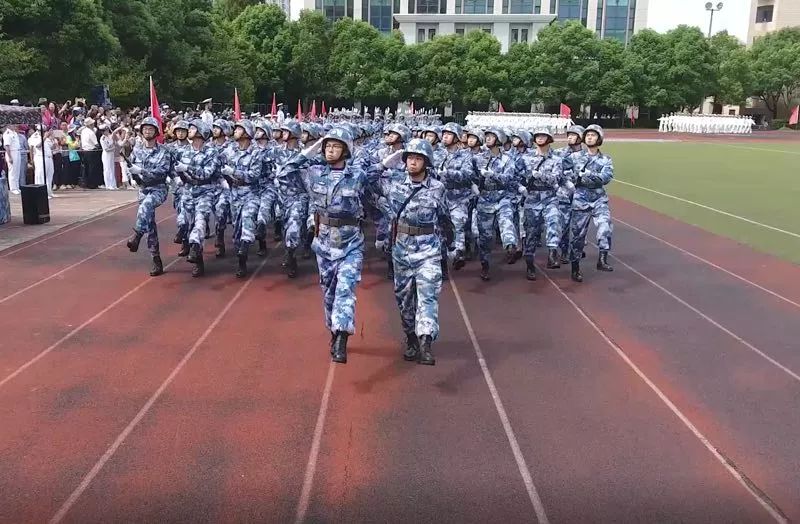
x=15, y=102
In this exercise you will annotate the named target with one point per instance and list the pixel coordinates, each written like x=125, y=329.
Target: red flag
x=237, y=111
x=299, y=109
x=793, y=119
x=274, y=110
x=314, y=109
x=324, y=111
x=565, y=110
x=155, y=111
x=500, y=108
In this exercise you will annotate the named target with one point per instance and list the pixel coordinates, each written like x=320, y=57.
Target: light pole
x=711, y=7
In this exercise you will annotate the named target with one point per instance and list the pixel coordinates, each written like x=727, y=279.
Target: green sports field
x=756, y=181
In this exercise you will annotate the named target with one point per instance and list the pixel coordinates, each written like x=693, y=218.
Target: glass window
x=318, y=5
x=553, y=7
x=460, y=31
x=569, y=10
x=764, y=14
x=365, y=11
x=505, y=7
x=336, y=9
x=396, y=6
x=475, y=7
x=442, y=7
x=523, y=35
x=431, y=33
x=380, y=14
x=520, y=7
x=411, y=6
x=427, y=7
x=584, y=12
x=616, y=20
x=514, y=36
x=537, y=7
x=420, y=35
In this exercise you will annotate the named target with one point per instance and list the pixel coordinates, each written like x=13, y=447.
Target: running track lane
x=601, y=445
x=63, y=411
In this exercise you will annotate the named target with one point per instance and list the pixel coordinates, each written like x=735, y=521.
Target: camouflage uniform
x=156, y=164
x=457, y=172
x=249, y=165
x=541, y=178
x=591, y=201
x=204, y=172
x=494, y=206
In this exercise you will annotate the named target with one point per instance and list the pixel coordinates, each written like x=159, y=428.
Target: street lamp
x=711, y=7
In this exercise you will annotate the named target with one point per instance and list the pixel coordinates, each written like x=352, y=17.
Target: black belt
x=414, y=230
x=154, y=183
x=338, y=222
x=206, y=182
x=455, y=185
x=533, y=187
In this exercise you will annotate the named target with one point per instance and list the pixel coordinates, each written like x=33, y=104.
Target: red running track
x=665, y=391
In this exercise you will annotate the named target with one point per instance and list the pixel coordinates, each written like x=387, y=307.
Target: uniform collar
x=425, y=181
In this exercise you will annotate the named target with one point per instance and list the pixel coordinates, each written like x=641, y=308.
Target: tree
x=691, y=73
x=254, y=38
x=733, y=78
x=310, y=45
x=356, y=60
x=614, y=88
x=230, y=9
x=17, y=63
x=775, y=67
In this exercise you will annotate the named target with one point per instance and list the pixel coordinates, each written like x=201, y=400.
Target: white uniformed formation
x=556, y=124
x=706, y=124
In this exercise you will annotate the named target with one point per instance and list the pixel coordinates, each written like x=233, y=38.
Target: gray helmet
x=508, y=131
x=402, y=130
x=293, y=127
x=576, y=130
x=150, y=121
x=543, y=131
x=499, y=133
x=263, y=125
x=477, y=133
x=524, y=136
x=419, y=146
x=202, y=128
x=181, y=124
x=597, y=129
x=247, y=125
x=452, y=127
x=223, y=125
x=432, y=129
x=311, y=129
x=340, y=134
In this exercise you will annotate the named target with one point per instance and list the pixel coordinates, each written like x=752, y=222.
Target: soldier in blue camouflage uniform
x=593, y=171
x=420, y=218
x=181, y=197
x=310, y=135
x=457, y=171
x=336, y=188
x=224, y=147
x=520, y=141
x=292, y=194
x=244, y=170
x=498, y=175
x=151, y=163
x=199, y=170
x=539, y=181
x=268, y=192
x=567, y=188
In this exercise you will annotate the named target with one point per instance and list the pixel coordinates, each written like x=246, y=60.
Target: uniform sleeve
x=550, y=177
x=209, y=163
x=445, y=221
x=606, y=174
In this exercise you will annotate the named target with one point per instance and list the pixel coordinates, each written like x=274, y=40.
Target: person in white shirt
x=207, y=116
x=11, y=145
x=43, y=167
x=109, y=146
x=90, y=157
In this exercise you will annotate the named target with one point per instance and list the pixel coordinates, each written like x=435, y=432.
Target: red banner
x=155, y=110
x=565, y=110
x=237, y=111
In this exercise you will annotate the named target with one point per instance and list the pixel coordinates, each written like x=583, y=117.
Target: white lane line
x=524, y=471
x=76, y=264
x=757, y=494
x=711, y=264
x=90, y=476
x=711, y=321
x=709, y=208
x=67, y=229
x=313, y=456
x=72, y=333
x=752, y=148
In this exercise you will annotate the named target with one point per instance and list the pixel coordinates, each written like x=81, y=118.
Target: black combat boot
x=158, y=266
x=262, y=247
x=577, y=276
x=389, y=268
x=179, y=236
x=445, y=270
x=485, y=271
x=290, y=262
x=340, y=347
x=411, y=352
x=564, y=256
x=184, y=249
x=553, y=261
x=425, y=352
x=199, y=268
x=194, y=253
x=309, y=239
x=133, y=241
x=333, y=339
x=241, y=271
x=602, y=262
x=277, y=233
x=208, y=231
x=530, y=271
x=459, y=261
x=511, y=254
x=220, y=244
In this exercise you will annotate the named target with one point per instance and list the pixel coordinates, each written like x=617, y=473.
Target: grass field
x=755, y=181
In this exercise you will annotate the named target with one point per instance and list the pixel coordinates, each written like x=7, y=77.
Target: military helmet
x=150, y=121
x=223, y=125
x=293, y=127
x=452, y=127
x=181, y=124
x=477, y=133
x=576, y=130
x=543, y=131
x=311, y=129
x=419, y=146
x=524, y=136
x=247, y=126
x=264, y=125
x=432, y=129
x=597, y=129
x=202, y=128
x=340, y=134
x=402, y=130
x=499, y=133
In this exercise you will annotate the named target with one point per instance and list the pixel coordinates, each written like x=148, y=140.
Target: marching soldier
x=567, y=188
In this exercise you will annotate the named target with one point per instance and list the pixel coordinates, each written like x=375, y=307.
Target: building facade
x=510, y=21
x=770, y=15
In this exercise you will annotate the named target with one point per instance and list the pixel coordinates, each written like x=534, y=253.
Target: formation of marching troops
x=437, y=196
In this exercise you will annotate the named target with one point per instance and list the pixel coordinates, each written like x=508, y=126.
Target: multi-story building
x=510, y=21
x=771, y=15
x=285, y=5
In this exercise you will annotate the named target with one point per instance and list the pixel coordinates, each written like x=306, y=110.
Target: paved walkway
x=69, y=207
